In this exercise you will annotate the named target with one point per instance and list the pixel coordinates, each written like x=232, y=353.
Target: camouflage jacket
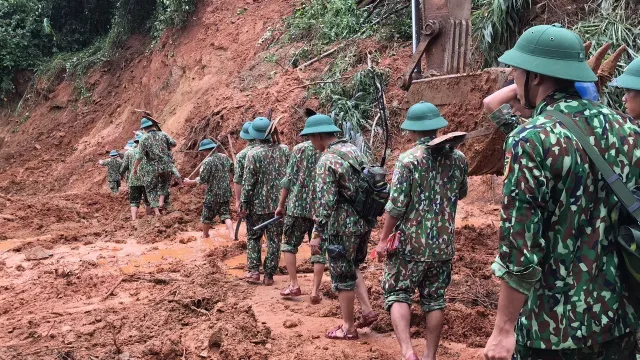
x=216, y=173
x=300, y=180
x=337, y=181
x=265, y=166
x=113, y=168
x=424, y=195
x=556, y=235
x=241, y=158
x=505, y=119
x=155, y=152
x=126, y=170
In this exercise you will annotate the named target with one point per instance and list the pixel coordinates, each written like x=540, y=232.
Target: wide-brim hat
x=145, y=123
x=423, y=116
x=244, y=133
x=259, y=127
x=207, y=144
x=630, y=78
x=319, y=124
x=550, y=50
x=113, y=153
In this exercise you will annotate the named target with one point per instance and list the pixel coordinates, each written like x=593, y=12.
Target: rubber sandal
x=315, y=299
x=366, y=320
x=252, y=278
x=289, y=291
x=332, y=334
x=413, y=356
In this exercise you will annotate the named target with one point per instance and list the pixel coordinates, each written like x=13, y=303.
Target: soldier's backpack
x=372, y=192
x=626, y=216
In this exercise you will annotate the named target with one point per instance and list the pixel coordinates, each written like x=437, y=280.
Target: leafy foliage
x=74, y=35
x=496, y=25
x=615, y=24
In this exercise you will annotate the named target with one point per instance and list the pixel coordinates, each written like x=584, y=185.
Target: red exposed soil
x=180, y=297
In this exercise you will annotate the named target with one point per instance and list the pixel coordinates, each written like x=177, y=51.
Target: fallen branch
x=48, y=349
x=323, y=55
x=113, y=288
x=233, y=152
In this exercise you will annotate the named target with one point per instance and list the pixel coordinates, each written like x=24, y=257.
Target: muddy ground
x=78, y=280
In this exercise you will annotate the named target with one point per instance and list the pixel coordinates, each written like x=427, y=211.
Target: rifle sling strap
x=620, y=189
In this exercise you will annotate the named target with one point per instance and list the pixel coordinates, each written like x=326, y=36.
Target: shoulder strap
x=616, y=184
x=342, y=155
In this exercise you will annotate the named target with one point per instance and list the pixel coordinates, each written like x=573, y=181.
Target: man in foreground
x=558, y=261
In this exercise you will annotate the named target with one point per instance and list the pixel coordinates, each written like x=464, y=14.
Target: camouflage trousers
x=114, y=186
x=136, y=195
x=621, y=348
x=274, y=236
x=346, y=253
x=295, y=228
x=216, y=208
x=156, y=186
x=402, y=277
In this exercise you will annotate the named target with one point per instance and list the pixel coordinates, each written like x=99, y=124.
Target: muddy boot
x=268, y=280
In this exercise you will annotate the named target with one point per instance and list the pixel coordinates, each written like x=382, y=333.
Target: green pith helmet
x=423, y=116
x=138, y=137
x=113, y=153
x=244, y=133
x=207, y=144
x=319, y=124
x=630, y=78
x=550, y=50
x=130, y=144
x=145, y=123
x=259, y=127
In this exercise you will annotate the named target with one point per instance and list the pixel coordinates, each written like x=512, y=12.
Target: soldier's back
x=267, y=165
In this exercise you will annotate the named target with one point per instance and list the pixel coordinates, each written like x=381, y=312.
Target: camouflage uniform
x=238, y=174
x=265, y=167
x=300, y=181
x=156, y=164
x=424, y=197
x=556, y=235
x=344, y=233
x=136, y=187
x=215, y=172
x=113, y=173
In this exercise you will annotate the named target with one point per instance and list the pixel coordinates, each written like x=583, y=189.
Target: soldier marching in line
x=155, y=162
x=558, y=262
x=264, y=169
x=297, y=199
x=134, y=182
x=238, y=174
x=113, y=170
x=338, y=227
x=420, y=216
x=215, y=173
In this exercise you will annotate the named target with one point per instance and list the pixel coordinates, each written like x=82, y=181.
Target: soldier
x=135, y=184
x=265, y=167
x=427, y=185
x=558, y=263
x=216, y=174
x=298, y=189
x=113, y=167
x=630, y=82
x=240, y=161
x=156, y=161
x=338, y=226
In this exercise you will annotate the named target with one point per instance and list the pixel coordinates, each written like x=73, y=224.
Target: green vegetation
x=615, y=23
x=496, y=25
x=49, y=36
x=318, y=23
